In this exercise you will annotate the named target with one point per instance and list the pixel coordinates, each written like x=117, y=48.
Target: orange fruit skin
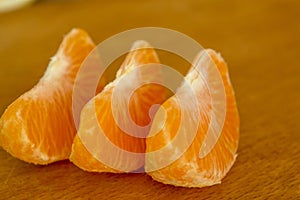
x=38, y=127
x=189, y=170
x=140, y=102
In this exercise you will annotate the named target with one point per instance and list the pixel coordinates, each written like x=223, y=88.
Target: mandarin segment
x=38, y=127
x=187, y=168
x=101, y=143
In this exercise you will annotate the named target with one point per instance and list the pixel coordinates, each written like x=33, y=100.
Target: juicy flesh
x=38, y=127
x=190, y=170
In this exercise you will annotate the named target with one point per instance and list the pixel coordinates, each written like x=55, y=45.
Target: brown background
x=260, y=41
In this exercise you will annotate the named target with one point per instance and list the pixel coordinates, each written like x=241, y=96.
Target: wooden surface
x=260, y=41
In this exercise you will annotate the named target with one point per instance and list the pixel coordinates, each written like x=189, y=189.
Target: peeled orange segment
x=175, y=144
x=38, y=127
x=111, y=135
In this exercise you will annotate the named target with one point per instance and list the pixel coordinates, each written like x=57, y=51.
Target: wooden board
x=260, y=41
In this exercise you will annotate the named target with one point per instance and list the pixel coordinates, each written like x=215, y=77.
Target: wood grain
x=260, y=41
